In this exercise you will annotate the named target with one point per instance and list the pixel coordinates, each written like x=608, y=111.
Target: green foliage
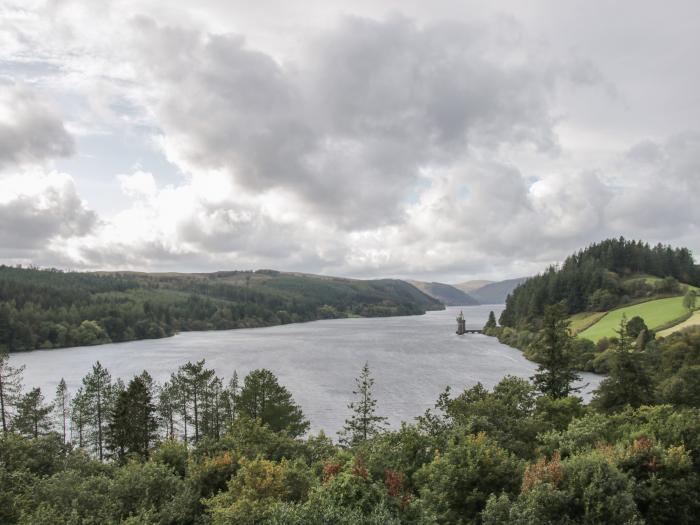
x=505, y=414
x=636, y=326
x=690, y=299
x=628, y=382
x=555, y=374
x=262, y=397
x=491, y=322
x=364, y=423
x=132, y=426
x=455, y=486
x=584, y=489
x=682, y=388
x=32, y=419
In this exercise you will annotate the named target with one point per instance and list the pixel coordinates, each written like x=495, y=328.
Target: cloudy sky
x=442, y=140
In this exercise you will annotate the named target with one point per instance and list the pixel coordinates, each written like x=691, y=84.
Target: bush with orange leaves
x=543, y=472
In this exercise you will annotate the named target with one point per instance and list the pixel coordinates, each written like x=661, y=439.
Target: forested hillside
x=52, y=308
x=600, y=277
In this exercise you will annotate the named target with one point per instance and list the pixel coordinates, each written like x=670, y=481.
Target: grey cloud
x=30, y=130
x=29, y=222
x=351, y=127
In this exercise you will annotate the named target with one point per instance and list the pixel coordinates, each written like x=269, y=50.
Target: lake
x=412, y=360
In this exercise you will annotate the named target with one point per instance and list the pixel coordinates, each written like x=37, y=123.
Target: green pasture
x=657, y=313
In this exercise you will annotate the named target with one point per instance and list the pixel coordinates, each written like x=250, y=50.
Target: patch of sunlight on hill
x=579, y=322
x=656, y=314
x=694, y=320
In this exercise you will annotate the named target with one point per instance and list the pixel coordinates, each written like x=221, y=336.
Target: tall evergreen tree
x=627, y=383
x=10, y=389
x=230, y=399
x=32, y=418
x=133, y=426
x=491, y=323
x=79, y=418
x=193, y=382
x=180, y=398
x=555, y=373
x=99, y=397
x=364, y=422
x=167, y=408
x=61, y=406
x=262, y=397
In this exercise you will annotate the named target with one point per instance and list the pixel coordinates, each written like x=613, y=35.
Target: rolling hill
x=492, y=292
x=51, y=308
x=446, y=294
x=471, y=286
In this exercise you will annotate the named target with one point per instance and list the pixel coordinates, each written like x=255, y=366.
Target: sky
x=442, y=140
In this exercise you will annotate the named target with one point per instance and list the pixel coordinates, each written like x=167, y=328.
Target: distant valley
x=469, y=293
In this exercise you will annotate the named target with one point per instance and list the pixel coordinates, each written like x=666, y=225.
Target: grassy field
x=693, y=321
x=579, y=322
x=655, y=314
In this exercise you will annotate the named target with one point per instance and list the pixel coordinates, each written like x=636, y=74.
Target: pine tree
x=230, y=399
x=99, y=396
x=133, y=426
x=10, y=389
x=62, y=408
x=79, y=418
x=262, y=397
x=364, y=423
x=555, y=374
x=491, y=323
x=193, y=381
x=32, y=418
x=628, y=383
x=167, y=408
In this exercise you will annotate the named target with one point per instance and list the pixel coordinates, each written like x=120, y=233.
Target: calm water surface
x=411, y=358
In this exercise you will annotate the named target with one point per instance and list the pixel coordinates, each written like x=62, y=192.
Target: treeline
x=596, y=279
x=51, y=308
x=195, y=450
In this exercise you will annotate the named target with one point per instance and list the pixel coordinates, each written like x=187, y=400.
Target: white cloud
x=138, y=185
x=443, y=144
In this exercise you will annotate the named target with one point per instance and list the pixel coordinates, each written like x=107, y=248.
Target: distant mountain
x=446, y=294
x=470, y=286
x=491, y=292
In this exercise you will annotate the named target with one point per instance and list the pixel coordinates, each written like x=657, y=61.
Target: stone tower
x=461, y=324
